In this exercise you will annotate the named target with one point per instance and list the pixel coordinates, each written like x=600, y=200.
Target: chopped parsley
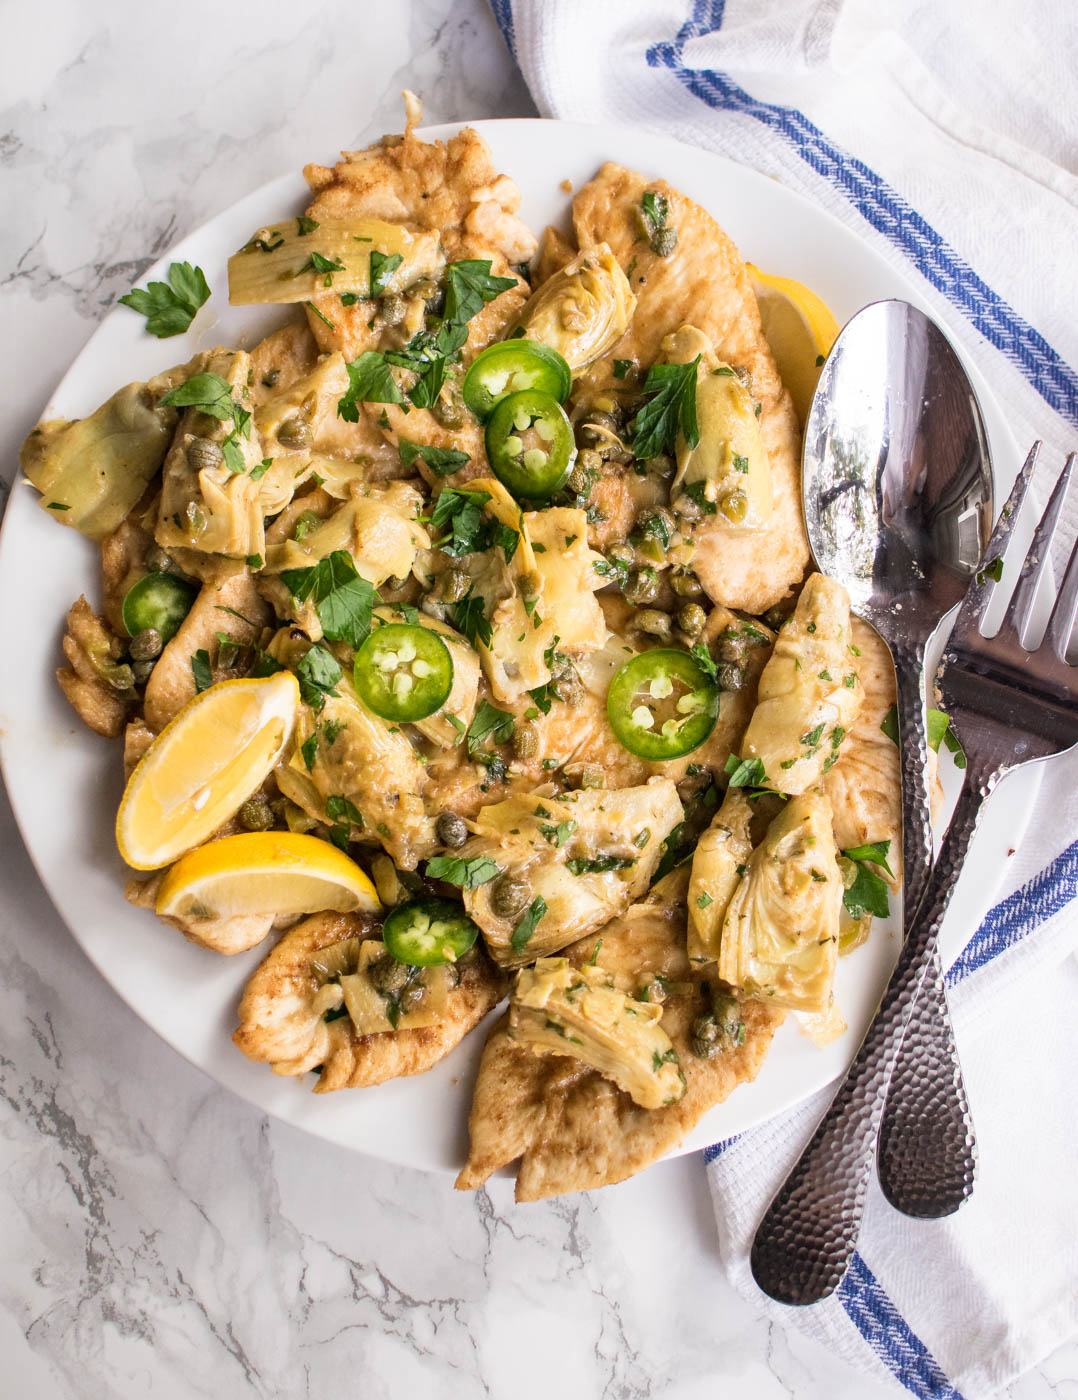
x=469, y=286
x=868, y=893
x=341, y=598
x=383, y=266
x=489, y=723
x=201, y=670
x=462, y=512
x=993, y=571
x=318, y=674
x=521, y=935
x=466, y=874
x=441, y=460
x=599, y=865
x=672, y=407
x=369, y=381
x=746, y=772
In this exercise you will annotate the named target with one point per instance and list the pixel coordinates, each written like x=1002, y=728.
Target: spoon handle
x=808, y=1235
x=806, y=1239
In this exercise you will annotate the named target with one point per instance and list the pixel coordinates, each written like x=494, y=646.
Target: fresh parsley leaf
x=427, y=354
x=304, y=224
x=704, y=901
x=462, y=512
x=993, y=571
x=489, y=723
x=740, y=464
x=889, y=725
x=309, y=748
x=675, y=849
x=505, y=538
x=745, y=772
x=940, y=730
x=467, y=874
x=868, y=893
x=622, y=368
x=812, y=737
x=543, y=696
x=305, y=523
x=369, y=381
x=201, y=670
x=265, y=665
x=697, y=492
x=655, y=210
x=528, y=924
x=209, y=393
x=557, y=835
x=441, y=460
x=321, y=314
x=599, y=865
x=318, y=674
x=671, y=407
x=259, y=470
x=170, y=307
x=470, y=618
x=469, y=286
x=383, y=266
x=701, y=654
x=342, y=599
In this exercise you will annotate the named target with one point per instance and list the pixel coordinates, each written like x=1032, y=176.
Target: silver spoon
x=898, y=504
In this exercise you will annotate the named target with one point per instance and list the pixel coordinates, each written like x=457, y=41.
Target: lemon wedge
x=203, y=766
x=800, y=330
x=264, y=872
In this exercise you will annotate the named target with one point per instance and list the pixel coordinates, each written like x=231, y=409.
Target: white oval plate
x=65, y=783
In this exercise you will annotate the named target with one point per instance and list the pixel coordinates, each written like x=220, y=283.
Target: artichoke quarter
x=581, y=311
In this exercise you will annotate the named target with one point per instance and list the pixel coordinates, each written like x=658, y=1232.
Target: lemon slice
x=203, y=766
x=264, y=872
x=800, y=330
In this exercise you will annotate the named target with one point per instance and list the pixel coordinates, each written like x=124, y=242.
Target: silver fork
x=1009, y=706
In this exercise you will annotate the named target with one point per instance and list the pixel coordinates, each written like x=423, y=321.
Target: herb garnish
x=170, y=307
x=526, y=927
x=201, y=670
x=745, y=772
x=469, y=286
x=599, y=865
x=441, y=460
x=341, y=598
x=383, y=265
x=369, y=381
x=868, y=893
x=318, y=674
x=671, y=407
x=467, y=874
x=489, y=723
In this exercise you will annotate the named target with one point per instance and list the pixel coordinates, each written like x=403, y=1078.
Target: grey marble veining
x=160, y=1237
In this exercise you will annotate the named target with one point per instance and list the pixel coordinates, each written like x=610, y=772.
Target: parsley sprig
x=672, y=407
x=212, y=395
x=342, y=599
x=170, y=307
x=868, y=893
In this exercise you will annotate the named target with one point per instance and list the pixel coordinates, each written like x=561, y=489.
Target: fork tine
x=1061, y=621
x=979, y=593
x=1021, y=605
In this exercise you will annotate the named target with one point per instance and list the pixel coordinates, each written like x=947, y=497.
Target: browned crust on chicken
x=572, y=1129
x=277, y=1023
x=100, y=706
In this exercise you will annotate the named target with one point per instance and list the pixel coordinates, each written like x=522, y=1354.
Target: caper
x=735, y=506
x=578, y=481
x=145, y=645
x=661, y=465
x=270, y=378
x=653, y=622
x=687, y=508
x=529, y=583
x=451, y=830
x=141, y=671
x=691, y=618
x=393, y=308
x=596, y=426
x=387, y=975
x=566, y=684
x=642, y=586
x=158, y=561
x=256, y=814
x=622, y=553
x=705, y=1037
x=432, y=294
x=449, y=409
x=204, y=455
x=729, y=1022
x=509, y=897
x=733, y=645
x=663, y=242
x=411, y=997
x=657, y=523
x=294, y=432
x=729, y=676
x=776, y=616
x=453, y=585
x=686, y=585
x=525, y=741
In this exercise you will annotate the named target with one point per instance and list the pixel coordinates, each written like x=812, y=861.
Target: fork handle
x=927, y=1153
x=808, y=1235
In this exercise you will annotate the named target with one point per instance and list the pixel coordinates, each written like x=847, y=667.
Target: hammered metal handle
x=927, y=1153
x=808, y=1235
x=916, y=801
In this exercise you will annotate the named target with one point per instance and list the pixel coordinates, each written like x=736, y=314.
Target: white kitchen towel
x=944, y=136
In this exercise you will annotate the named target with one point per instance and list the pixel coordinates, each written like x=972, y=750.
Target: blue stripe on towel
x=503, y=14
x=887, y=212
x=1008, y=922
x=715, y=1151
x=890, y=1336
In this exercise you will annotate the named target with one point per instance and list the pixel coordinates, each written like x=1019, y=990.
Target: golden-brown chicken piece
x=703, y=283
x=99, y=688
x=573, y=1129
x=282, y=1013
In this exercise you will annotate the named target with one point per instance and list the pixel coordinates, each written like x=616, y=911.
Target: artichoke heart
x=727, y=474
x=718, y=863
x=206, y=504
x=582, y=311
x=780, y=933
x=92, y=471
x=559, y=1009
x=374, y=1012
x=586, y=855
x=810, y=691
x=281, y=263
x=377, y=527
x=363, y=776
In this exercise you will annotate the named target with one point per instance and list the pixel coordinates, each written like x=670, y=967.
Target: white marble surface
x=159, y=1237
